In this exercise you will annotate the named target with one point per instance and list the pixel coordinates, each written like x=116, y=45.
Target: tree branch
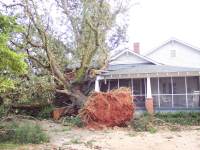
x=39, y=62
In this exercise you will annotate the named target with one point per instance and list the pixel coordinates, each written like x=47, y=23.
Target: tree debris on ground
x=64, y=111
x=114, y=108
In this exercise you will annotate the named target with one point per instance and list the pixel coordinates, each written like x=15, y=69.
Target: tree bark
x=77, y=97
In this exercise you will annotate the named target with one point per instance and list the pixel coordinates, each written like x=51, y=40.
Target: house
x=168, y=77
x=176, y=53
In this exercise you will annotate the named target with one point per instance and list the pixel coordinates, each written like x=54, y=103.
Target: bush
x=73, y=121
x=46, y=112
x=143, y=123
x=181, y=118
x=3, y=111
x=24, y=134
x=31, y=90
x=149, y=123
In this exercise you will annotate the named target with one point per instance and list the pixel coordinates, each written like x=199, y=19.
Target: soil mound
x=109, y=109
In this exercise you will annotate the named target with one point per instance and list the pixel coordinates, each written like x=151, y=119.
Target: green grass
x=89, y=143
x=152, y=130
x=180, y=118
x=3, y=111
x=142, y=123
x=23, y=134
x=45, y=113
x=76, y=141
x=132, y=134
x=65, y=129
x=73, y=121
x=8, y=146
x=150, y=122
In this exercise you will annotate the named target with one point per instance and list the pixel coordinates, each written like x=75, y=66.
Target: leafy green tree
x=73, y=47
x=11, y=62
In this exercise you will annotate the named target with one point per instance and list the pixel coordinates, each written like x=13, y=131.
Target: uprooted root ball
x=110, y=109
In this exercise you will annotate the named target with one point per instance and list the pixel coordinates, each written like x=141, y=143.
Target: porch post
x=97, y=88
x=172, y=87
x=149, y=100
x=149, y=95
x=186, y=92
x=159, y=92
x=118, y=83
x=108, y=85
x=131, y=86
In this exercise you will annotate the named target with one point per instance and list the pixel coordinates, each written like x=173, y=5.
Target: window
x=173, y=53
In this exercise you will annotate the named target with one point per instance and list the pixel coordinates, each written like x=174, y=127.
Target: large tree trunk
x=76, y=96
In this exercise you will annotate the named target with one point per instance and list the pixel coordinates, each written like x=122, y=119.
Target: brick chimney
x=136, y=47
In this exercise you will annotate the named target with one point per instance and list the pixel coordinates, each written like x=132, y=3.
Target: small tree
x=11, y=62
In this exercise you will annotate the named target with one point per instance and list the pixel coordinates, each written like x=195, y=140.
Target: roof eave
x=139, y=55
x=156, y=74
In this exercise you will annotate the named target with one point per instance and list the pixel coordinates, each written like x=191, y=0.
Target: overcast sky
x=153, y=22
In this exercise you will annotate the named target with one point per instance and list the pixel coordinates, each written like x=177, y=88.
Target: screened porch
x=169, y=93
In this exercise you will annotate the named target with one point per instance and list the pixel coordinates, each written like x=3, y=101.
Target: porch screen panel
x=155, y=101
x=139, y=92
x=125, y=83
x=137, y=87
x=165, y=92
x=193, y=92
x=193, y=101
x=113, y=84
x=179, y=92
x=104, y=86
x=165, y=86
x=192, y=84
x=154, y=86
x=179, y=101
x=179, y=85
x=154, y=89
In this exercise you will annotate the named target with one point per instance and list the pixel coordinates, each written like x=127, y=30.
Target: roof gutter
x=153, y=75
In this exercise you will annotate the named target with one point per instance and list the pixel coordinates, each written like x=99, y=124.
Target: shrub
x=152, y=130
x=24, y=134
x=46, y=112
x=10, y=146
x=143, y=123
x=31, y=90
x=149, y=123
x=73, y=121
x=3, y=111
x=181, y=118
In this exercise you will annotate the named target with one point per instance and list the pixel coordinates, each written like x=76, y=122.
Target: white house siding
x=128, y=58
x=185, y=56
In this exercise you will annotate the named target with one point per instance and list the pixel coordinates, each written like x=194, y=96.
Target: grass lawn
x=8, y=146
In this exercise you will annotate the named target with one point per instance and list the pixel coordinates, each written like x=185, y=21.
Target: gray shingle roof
x=145, y=69
x=124, y=66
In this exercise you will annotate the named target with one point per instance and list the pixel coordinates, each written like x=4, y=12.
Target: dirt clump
x=114, y=108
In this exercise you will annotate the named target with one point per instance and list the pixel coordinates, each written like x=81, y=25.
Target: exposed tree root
x=109, y=109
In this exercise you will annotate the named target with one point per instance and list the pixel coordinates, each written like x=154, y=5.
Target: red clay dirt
x=110, y=109
x=58, y=112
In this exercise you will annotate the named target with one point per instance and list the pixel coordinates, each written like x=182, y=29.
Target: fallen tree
x=109, y=109
x=89, y=33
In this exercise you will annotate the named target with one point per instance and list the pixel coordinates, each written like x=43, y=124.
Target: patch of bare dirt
x=65, y=138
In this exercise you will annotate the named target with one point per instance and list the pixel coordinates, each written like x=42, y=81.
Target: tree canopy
x=11, y=62
x=70, y=44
